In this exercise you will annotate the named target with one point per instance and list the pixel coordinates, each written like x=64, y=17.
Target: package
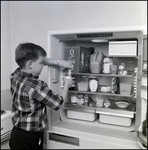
x=96, y=62
x=125, y=88
x=115, y=85
x=80, y=57
x=83, y=86
x=96, y=67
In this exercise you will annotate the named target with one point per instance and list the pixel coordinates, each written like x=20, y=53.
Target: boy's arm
x=67, y=85
x=57, y=62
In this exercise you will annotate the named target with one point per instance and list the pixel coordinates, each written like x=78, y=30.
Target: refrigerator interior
x=58, y=42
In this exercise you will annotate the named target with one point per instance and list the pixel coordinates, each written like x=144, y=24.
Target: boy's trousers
x=21, y=139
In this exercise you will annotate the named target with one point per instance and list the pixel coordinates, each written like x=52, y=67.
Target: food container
x=125, y=88
x=121, y=69
x=73, y=99
x=86, y=98
x=106, y=68
x=96, y=67
x=105, y=89
x=115, y=85
x=99, y=102
x=107, y=103
x=82, y=86
x=81, y=115
x=93, y=85
x=96, y=62
x=80, y=101
x=113, y=69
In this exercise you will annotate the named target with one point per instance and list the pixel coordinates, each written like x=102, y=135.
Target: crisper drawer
x=87, y=116
x=123, y=48
x=116, y=117
x=115, y=120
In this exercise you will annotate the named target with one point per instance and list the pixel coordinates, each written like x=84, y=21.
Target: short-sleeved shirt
x=30, y=96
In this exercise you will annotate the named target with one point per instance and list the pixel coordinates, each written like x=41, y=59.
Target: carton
x=80, y=57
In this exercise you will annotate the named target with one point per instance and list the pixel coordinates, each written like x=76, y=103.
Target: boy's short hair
x=28, y=51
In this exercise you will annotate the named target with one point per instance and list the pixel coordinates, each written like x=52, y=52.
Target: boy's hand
x=68, y=81
x=65, y=64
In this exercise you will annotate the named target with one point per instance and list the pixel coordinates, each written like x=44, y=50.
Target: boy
x=30, y=96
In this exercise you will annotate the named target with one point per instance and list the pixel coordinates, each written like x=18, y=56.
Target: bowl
x=122, y=104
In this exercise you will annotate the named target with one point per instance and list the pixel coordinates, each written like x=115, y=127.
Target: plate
x=122, y=104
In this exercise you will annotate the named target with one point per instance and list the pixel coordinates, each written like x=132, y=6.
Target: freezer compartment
x=86, y=116
x=124, y=48
x=115, y=120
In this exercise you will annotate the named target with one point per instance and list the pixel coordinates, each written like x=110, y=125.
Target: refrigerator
x=111, y=115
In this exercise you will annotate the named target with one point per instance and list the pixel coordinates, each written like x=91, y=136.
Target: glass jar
x=121, y=68
x=86, y=100
x=93, y=84
x=80, y=99
x=73, y=99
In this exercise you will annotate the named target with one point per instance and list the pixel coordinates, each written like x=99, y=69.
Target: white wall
x=30, y=20
x=6, y=66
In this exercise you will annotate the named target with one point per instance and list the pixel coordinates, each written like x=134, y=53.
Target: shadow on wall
x=6, y=100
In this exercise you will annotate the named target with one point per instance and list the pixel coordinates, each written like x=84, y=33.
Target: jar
x=107, y=103
x=73, y=99
x=99, y=102
x=79, y=96
x=93, y=84
x=86, y=100
x=80, y=101
x=121, y=68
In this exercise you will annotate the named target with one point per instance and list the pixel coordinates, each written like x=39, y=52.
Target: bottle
x=73, y=99
x=86, y=100
x=68, y=76
x=121, y=69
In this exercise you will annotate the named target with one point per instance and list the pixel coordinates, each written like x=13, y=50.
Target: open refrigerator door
x=142, y=130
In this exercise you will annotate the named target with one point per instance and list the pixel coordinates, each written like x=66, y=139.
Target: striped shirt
x=30, y=96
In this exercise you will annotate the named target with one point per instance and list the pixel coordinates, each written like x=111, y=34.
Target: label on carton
x=80, y=58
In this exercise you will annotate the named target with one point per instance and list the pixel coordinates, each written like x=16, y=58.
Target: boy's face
x=37, y=65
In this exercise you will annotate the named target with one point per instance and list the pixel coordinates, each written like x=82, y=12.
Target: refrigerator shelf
x=113, y=111
x=77, y=107
x=136, y=57
x=100, y=93
x=131, y=74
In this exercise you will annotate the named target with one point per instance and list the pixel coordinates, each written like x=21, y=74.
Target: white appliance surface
x=5, y=114
x=6, y=125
